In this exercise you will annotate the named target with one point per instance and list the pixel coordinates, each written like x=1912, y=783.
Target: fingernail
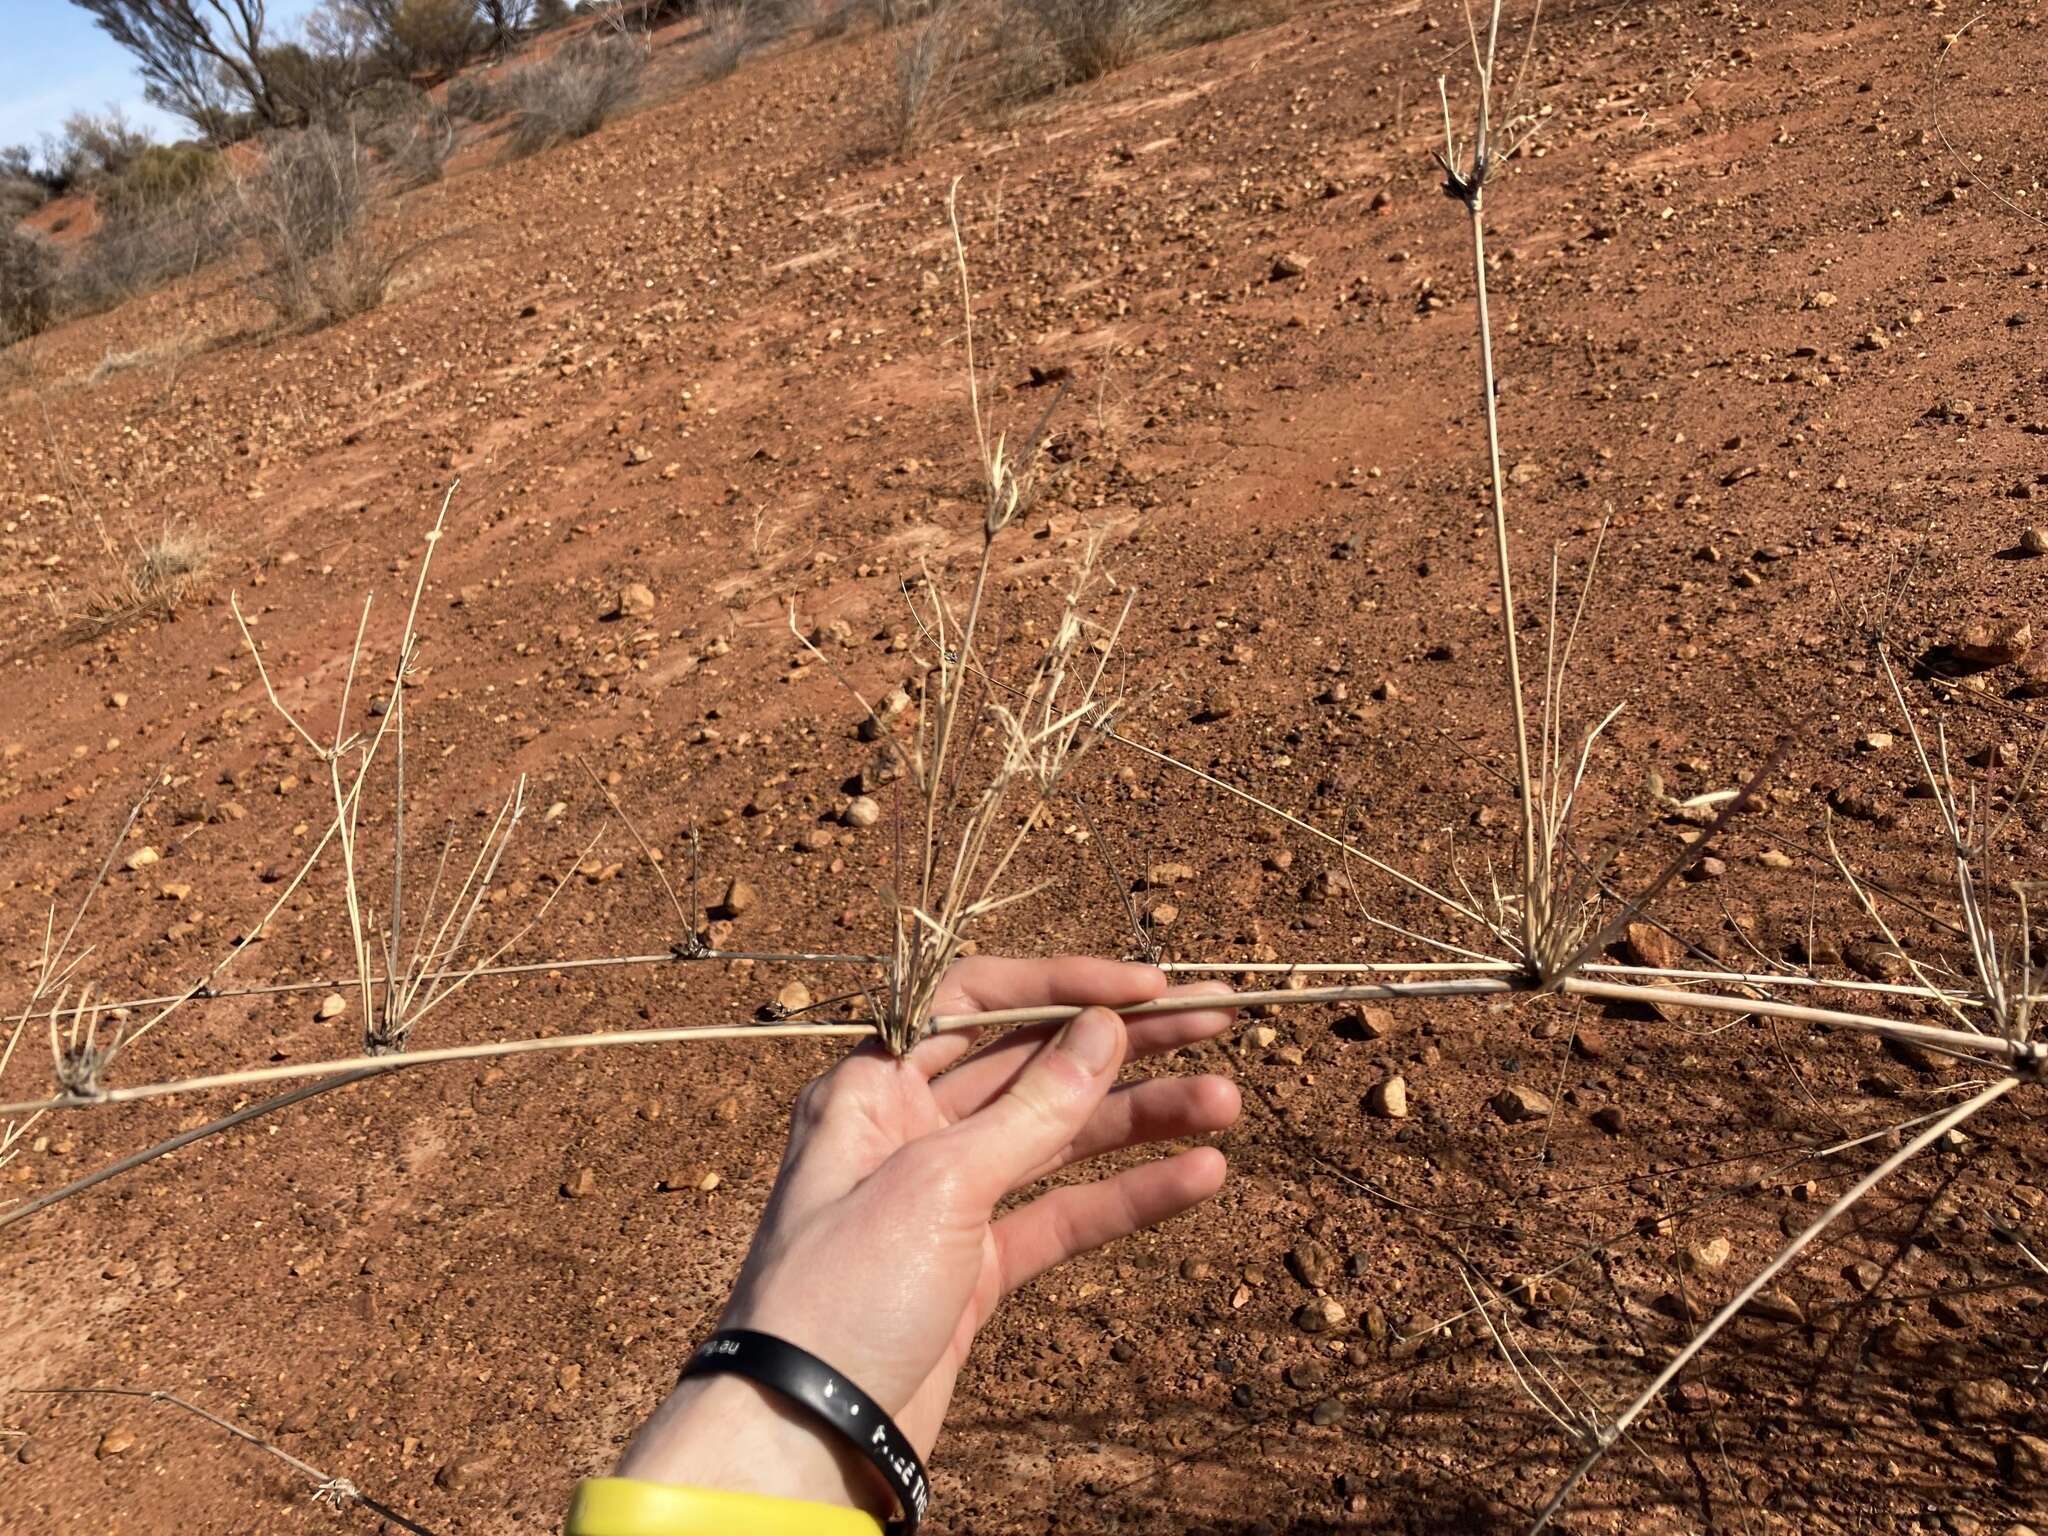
x=1092, y=1038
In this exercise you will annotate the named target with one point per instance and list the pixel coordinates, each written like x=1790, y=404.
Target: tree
x=505, y=20
x=195, y=55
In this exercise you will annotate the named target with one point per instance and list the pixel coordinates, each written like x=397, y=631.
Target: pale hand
x=880, y=1251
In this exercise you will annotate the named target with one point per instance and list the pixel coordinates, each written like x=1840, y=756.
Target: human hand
x=880, y=1251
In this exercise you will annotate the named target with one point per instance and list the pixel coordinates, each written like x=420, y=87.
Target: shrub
x=440, y=35
x=1090, y=38
x=28, y=283
x=573, y=93
x=160, y=177
x=308, y=212
x=927, y=79
x=475, y=98
x=92, y=149
x=166, y=216
x=727, y=34
x=20, y=196
x=410, y=136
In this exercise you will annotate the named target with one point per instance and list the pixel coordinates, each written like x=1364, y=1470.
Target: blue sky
x=54, y=61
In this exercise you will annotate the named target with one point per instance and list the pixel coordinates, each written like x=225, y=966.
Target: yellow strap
x=625, y=1506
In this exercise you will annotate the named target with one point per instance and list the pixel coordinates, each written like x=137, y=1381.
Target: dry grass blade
x=335, y=1492
x=1614, y=1430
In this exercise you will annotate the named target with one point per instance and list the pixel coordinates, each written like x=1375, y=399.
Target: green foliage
x=161, y=176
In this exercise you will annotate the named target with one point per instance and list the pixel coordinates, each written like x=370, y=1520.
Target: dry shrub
x=410, y=136
x=308, y=212
x=1090, y=38
x=164, y=217
x=928, y=92
x=165, y=571
x=475, y=98
x=572, y=94
x=29, y=269
x=727, y=35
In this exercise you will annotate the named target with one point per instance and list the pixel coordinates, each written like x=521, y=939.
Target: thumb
x=1025, y=1126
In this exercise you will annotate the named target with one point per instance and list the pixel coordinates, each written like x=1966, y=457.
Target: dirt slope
x=1755, y=317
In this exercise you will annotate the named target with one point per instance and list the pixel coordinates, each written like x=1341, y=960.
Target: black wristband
x=813, y=1385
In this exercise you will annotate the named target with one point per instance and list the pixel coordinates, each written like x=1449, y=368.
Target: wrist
x=725, y=1432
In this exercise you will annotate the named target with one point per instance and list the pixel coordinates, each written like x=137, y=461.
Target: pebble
x=1987, y=1400
x=740, y=896
x=1319, y=1315
x=1776, y=1307
x=1608, y=1118
x=862, y=811
x=1326, y=1413
x=1874, y=741
x=1313, y=1262
x=1388, y=1100
x=1290, y=264
x=142, y=858
x=1306, y=1375
x=1195, y=1269
x=581, y=1186
x=1259, y=1036
x=1987, y=644
x=1708, y=1258
x=2033, y=542
x=795, y=997
x=332, y=1006
x=117, y=1441
x=462, y=1472
x=1515, y=1104
x=635, y=601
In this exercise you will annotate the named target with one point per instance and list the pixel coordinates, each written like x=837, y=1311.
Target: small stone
x=1874, y=960
x=1776, y=1307
x=1772, y=858
x=1306, y=1375
x=1994, y=645
x=1319, y=1315
x=1290, y=264
x=1163, y=915
x=142, y=858
x=1313, y=1263
x=569, y=1376
x=117, y=1441
x=174, y=891
x=1515, y=1104
x=1259, y=1036
x=2024, y=1461
x=1326, y=1413
x=1651, y=946
x=581, y=1186
x=2033, y=542
x=1608, y=1118
x=1196, y=1269
x=462, y=1472
x=635, y=601
x=1370, y=1023
x=1388, y=1100
x=740, y=897
x=1987, y=1401
x=1874, y=741
x=332, y=1006
x=1821, y=300
x=862, y=811
x=1709, y=1257
x=794, y=997
x=1864, y=1275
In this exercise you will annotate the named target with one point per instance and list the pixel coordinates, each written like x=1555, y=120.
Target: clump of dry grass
x=163, y=572
x=928, y=94
x=573, y=94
